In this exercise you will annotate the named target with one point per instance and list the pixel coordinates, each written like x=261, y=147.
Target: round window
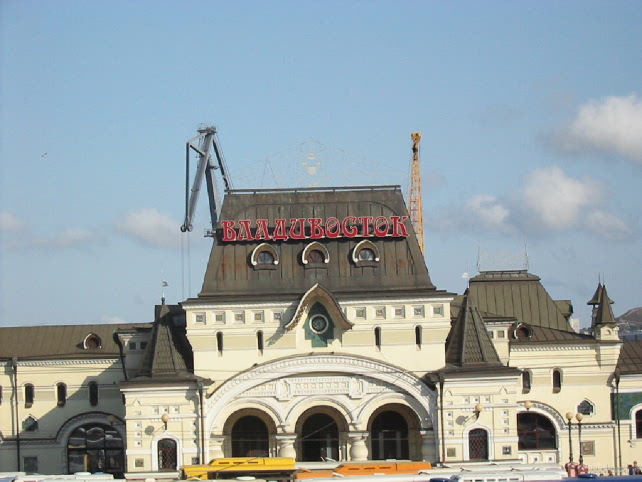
x=319, y=324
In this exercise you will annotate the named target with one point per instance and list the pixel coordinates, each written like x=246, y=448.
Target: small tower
x=603, y=324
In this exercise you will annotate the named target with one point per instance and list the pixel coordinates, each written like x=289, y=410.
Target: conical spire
x=604, y=312
x=469, y=344
x=596, y=296
x=163, y=356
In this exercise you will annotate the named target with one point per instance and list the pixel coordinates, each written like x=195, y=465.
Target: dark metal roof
x=549, y=335
x=401, y=267
x=604, y=312
x=61, y=341
x=168, y=356
x=630, y=361
x=520, y=295
x=468, y=343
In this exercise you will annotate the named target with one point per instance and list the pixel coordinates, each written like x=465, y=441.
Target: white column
x=428, y=445
x=285, y=444
x=358, y=447
x=216, y=448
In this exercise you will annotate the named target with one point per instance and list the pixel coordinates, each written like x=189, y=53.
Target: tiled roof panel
x=401, y=265
x=60, y=341
x=630, y=361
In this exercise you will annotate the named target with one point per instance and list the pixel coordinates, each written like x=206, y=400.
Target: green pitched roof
x=468, y=343
x=520, y=295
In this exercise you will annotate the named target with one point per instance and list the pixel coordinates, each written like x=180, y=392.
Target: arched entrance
x=535, y=431
x=167, y=454
x=478, y=444
x=389, y=436
x=250, y=438
x=319, y=438
x=94, y=448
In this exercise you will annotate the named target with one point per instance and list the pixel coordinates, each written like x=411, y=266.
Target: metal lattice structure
x=416, y=206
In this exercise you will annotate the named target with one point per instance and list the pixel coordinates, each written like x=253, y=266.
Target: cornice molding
x=69, y=361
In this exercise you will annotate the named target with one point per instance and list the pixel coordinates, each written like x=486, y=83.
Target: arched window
x=0, y=394
x=61, y=394
x=418, y=334
x=92, y=341
x=167, y=454
x=389, y=436
x=638, y=424
x=250, y=438
x=30, y=395
x=93, y=393
x=526, y=381
x=259, y=341
x=535, y=431
x=365, y=253
x=96, y=448
x=586, y=408
x=264, y=256
x=219, y=342
x=557, y=381
x=377, y=337
x=478, y=444
x=30, y=424
x=319, y=439
x=315, y=254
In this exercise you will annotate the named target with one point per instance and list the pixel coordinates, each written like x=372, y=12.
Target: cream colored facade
x=344, y=358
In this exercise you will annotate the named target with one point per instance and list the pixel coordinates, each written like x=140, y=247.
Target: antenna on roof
x=478, y=258
x=526, y=261
x=164, y=284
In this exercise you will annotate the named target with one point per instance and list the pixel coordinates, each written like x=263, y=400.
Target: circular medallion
x=319, y=324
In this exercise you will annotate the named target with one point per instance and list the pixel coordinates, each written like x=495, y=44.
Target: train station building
x=318, y=334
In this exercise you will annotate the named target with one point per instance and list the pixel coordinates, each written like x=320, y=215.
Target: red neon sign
x=315, y=228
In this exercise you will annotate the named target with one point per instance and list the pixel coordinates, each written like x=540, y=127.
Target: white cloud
x=609, y=124
x=151, y=228
x=9, y=223
x=488, y=211
x=549, y=200
x=111, y=319
x=70, y=238
x=607, y=225
x=557, y=200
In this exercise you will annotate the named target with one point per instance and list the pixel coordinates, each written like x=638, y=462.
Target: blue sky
x=531, y=114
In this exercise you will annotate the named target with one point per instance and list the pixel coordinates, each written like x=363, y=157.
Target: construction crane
x=416, y=207
x=202, y=144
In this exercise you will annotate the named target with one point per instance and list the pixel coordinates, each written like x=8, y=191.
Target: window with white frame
x=399, y=311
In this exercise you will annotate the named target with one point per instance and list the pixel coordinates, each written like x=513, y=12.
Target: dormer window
x=522, y=332
x=264, y=256
x=365, y=253
x=92, y=341
x=315, y=255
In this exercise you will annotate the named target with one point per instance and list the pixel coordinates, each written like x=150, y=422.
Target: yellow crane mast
x=416, y=207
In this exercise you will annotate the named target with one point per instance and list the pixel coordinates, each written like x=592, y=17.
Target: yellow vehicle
x=270, y=468
x=366, y=468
